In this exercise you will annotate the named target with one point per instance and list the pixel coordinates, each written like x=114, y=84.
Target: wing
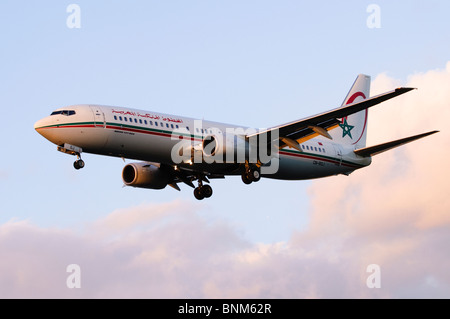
x=293, y=133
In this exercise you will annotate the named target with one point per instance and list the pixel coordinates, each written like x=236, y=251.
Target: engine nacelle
x=226, y=148
x=145, y=175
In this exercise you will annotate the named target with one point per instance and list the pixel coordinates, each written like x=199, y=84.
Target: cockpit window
x=64, y=112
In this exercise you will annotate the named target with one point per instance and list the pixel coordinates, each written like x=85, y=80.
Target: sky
x=254, y=63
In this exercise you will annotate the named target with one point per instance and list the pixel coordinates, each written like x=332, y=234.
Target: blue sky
x=255, y=63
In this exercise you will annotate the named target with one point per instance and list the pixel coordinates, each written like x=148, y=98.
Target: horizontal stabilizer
x=377, y=149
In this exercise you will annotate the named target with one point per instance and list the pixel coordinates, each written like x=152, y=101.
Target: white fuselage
x=149, y=136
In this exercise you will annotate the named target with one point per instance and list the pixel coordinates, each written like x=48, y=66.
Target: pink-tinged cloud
x=394, y=214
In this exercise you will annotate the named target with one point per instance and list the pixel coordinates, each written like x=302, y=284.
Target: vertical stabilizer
x=352, y=130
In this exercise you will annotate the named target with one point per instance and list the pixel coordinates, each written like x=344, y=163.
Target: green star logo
x=346, y=129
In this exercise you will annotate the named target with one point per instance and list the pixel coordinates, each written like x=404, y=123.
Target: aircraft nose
x=39, y=125
x=42, y=127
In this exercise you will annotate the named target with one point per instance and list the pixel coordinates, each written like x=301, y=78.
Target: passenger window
x=115, y=117
x=156, y=123
x=120, y=118
x=126, y=120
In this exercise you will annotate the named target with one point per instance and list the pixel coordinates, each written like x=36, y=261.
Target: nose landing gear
x=78, y=164
x=73, y=150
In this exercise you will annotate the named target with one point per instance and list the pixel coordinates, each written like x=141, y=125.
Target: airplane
x=175, y=149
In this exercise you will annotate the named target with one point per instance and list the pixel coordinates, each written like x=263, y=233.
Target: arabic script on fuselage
x=149, y=116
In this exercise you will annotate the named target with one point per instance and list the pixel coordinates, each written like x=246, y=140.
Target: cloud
x=394, y=213
x=175, y=254
x=164, y=250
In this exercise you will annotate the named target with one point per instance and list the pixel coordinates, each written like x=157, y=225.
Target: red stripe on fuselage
x=118, y=127
x=333, y=161
x=65, y=126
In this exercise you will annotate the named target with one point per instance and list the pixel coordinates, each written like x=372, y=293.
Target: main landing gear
x=251, y=174
x=202, y=191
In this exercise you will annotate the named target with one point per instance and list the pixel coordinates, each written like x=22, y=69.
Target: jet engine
x=145, y=175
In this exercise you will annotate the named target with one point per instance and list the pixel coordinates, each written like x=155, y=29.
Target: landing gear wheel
x=251, y=175
x=255, y=174
x=204, y=191
x=246, y=179
x=78, y=164
x=198, y=193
